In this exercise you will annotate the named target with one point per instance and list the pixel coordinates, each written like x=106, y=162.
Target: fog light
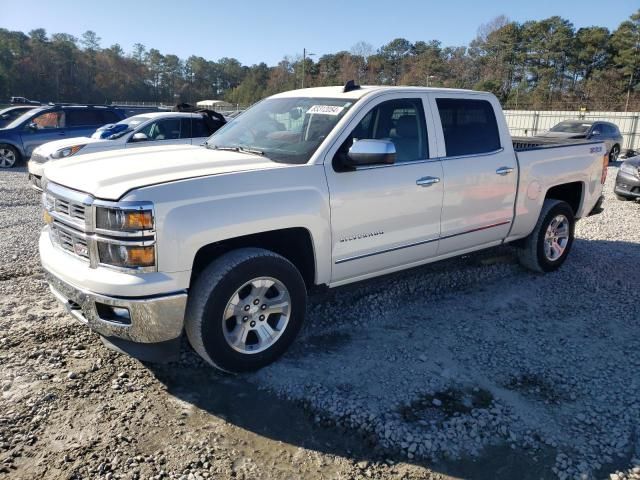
x=113, y=314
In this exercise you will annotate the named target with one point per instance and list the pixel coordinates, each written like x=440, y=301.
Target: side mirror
x=33, y=126
x=139, y=137
x=595, y=133
x=371, y=152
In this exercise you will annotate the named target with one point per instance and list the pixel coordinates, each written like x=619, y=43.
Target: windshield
x=571, y=127
x=117, y=130
x=287, y=130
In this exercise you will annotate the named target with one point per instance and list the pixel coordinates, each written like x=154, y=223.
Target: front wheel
x=245, y=309
x=9, y=156
x=547, y=247
x=623, y=198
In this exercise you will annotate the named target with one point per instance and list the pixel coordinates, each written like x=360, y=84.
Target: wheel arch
x=295, y=244
x=571, y=193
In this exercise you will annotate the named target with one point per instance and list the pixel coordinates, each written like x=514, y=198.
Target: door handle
x=427, y=181
x=504, y=171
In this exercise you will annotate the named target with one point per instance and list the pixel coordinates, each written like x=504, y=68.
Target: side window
x=402, y=122
x=200, y=128
x=167, y=129
x=81, y=118
x=469, y=126
x=49, y=120
x=185, y=127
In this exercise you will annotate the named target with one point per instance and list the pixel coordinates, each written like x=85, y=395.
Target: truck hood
x=109, y=175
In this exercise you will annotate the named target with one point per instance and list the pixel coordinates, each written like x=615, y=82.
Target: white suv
x=163, y=128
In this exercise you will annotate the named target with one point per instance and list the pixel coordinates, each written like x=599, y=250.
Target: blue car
x=53, y=122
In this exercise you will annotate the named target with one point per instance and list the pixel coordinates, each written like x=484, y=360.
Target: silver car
x=606, y=132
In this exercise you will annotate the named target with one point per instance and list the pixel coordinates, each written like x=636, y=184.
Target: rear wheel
x=9, y=156
x=245, y=309
x=614, y=153
x=547, y=247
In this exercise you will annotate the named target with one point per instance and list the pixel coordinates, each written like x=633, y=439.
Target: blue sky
x=253, y=31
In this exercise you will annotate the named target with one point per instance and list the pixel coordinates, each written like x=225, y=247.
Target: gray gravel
x=472, y=367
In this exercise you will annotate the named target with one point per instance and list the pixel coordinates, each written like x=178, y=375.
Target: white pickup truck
x=314, y=187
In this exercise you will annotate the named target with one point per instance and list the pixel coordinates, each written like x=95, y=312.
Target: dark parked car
x=23, y=101
x=606, y=132
x=8, y=115
x=53, y=122
x=628, y=180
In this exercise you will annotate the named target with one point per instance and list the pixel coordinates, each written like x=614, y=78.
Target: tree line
x=545, y=64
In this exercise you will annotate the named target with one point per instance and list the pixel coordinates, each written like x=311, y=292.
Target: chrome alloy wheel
x=556, y=238
x=7, y=158
x=256, y=315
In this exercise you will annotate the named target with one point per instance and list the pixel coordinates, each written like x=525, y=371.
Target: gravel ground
x=469, y=368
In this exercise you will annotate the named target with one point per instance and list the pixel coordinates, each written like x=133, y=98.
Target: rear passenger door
x=480, y=173
x=82, y=122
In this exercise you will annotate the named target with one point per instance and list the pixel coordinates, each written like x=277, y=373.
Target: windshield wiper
x=252, y=151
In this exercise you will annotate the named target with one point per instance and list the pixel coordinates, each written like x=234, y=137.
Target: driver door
x=50, y=126
x=386, y=217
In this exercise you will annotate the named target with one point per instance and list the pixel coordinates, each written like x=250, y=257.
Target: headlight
x=67, y=152
x=125, y=256
x=630, y=169
x=132, y=219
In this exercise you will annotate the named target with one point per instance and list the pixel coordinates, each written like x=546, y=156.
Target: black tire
x=531, y=254
x=215, y=287
x=623, y=198
x=613, y=154
x=9, y=156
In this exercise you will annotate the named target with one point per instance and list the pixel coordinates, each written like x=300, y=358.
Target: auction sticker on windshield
x=326, y=109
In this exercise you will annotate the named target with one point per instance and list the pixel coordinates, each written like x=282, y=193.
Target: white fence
x=530, y=122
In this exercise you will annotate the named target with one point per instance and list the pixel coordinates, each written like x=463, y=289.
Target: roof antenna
x=349, y=86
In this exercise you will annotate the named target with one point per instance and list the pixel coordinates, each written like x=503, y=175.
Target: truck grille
x=67, y=239
x=68, y=211
x=71, y=209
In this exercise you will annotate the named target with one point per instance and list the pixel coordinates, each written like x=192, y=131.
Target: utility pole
x=626, y=105
x=304, y=61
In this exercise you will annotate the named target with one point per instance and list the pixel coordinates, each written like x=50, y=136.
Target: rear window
x=469, y=126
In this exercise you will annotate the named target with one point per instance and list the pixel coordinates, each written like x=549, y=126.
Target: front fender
x=193, y=213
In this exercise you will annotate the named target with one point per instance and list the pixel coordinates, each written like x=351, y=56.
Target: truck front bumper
x=149, y=320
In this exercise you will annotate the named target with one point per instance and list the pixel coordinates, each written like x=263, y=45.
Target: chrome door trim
x=387, y=250
x=415, y=244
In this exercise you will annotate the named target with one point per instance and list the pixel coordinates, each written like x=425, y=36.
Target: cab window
x=469, y=126
x=400, y=121
x=167, y=129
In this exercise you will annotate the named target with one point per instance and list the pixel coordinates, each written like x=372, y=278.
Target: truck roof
x=338, y=92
